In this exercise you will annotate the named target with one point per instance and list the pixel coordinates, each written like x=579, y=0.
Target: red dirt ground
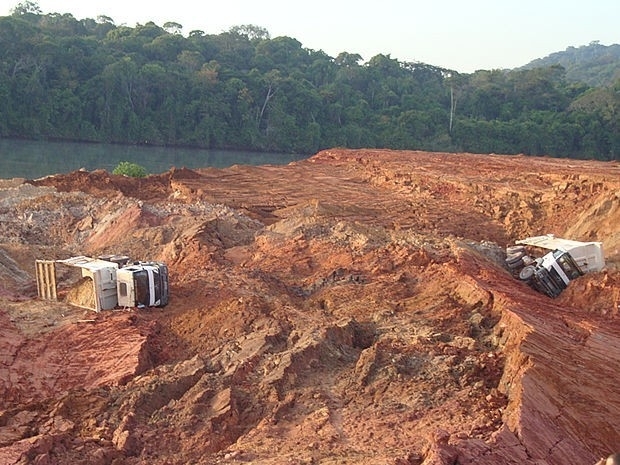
x=350, y=308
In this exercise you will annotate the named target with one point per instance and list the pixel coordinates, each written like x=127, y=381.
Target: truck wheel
x=515, y=265
x=513, y=258
x=515, y=249
x=527, y=260
x=527, y=273
x=514, y=261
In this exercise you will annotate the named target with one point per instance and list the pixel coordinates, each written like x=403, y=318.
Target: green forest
x=91, y=80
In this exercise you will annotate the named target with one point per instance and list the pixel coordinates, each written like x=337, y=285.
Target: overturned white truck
x=110, y=281
x=551, y=273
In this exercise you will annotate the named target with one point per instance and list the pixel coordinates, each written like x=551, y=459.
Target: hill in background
x=595, y=64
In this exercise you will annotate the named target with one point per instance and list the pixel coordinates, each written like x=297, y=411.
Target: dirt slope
x=351, y=308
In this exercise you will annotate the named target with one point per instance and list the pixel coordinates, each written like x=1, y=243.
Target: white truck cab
x=142, y=284
x=552, y=273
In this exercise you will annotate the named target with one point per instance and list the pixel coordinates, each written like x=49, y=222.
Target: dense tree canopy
x=91, y=80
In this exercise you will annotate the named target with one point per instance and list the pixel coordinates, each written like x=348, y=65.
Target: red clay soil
x=353, y=308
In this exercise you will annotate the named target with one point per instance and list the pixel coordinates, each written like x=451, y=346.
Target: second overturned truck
x=551, y=273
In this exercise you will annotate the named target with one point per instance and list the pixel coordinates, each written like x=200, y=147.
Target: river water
x=35, y=159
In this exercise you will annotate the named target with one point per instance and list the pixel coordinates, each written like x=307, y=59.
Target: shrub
x=130, y=169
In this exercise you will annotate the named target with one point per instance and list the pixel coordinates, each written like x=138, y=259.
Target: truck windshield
x=157, y=283
x=569, y=266
x=141, y=280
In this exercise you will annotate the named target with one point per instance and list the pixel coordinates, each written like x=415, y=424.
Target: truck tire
x=515, y=249
x=513, y=258
x=527, y=260
x=527, y=273
x=514, y=261
x=515, y=265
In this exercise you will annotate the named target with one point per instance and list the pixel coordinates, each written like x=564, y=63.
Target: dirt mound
x=87, y=353
x=351, y=308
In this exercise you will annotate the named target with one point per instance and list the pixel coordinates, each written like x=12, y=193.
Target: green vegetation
x=132, y=170
x=91, y=80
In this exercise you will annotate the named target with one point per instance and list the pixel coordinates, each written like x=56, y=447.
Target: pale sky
x=465, y=35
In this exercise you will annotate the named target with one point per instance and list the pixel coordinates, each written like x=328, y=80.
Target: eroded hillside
x=351, y=308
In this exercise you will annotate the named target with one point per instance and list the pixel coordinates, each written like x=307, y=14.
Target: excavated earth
x=352, y=308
